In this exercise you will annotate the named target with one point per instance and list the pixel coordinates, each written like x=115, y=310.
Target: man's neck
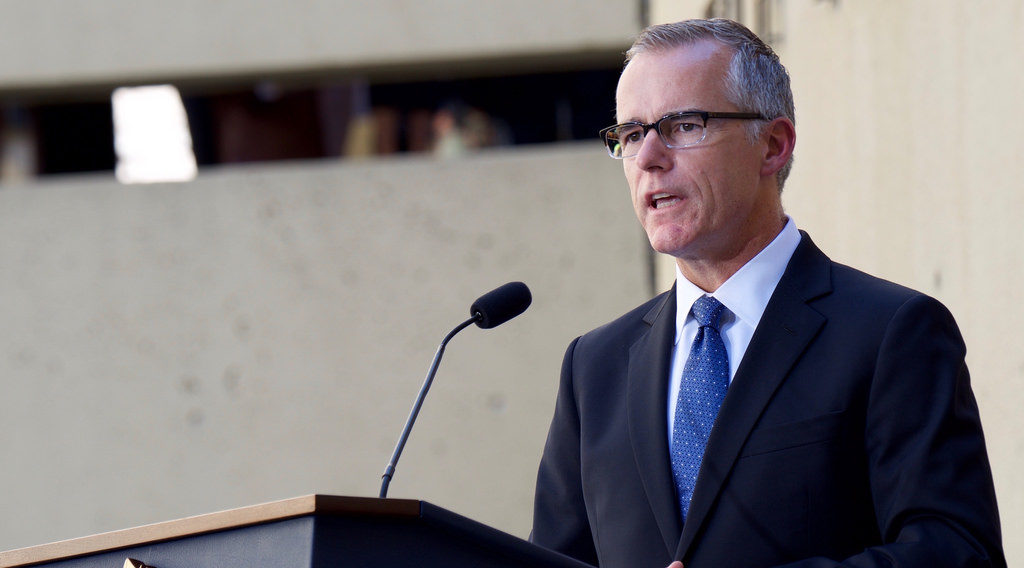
x=710, y=273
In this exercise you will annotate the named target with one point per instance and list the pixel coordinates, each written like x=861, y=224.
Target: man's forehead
x=674, y=76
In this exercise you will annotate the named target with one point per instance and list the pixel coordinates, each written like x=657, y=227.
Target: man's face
x=703, y=203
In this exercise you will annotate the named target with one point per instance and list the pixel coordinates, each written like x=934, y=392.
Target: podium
x=314, y=531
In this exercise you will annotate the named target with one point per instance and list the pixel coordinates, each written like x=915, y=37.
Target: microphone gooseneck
x=492, y=309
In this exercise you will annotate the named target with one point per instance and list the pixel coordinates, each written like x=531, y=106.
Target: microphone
x=490, y=310
x=501, y=304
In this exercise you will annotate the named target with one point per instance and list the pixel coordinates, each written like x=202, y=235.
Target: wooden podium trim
x=212, y=522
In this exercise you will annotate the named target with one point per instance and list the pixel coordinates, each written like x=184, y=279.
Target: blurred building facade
x=364, y=172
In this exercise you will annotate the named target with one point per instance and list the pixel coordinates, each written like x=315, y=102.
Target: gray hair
x=756, y=82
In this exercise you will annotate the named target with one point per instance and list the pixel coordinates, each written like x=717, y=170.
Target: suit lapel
x=786, y=328
x=647, y=375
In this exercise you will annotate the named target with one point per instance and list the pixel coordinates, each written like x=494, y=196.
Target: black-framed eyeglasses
x=676, y=130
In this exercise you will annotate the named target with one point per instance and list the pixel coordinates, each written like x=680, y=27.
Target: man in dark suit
x=802, y=413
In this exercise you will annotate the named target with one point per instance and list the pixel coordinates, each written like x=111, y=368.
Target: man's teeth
x=659, y=200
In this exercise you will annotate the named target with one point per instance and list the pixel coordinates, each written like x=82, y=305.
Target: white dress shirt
x=745, y=295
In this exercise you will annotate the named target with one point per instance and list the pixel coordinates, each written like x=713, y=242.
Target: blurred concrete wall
x=261, y=333
x=907, y=166
x=113, y=42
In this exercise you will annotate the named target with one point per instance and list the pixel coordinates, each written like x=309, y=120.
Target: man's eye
x=630, y=136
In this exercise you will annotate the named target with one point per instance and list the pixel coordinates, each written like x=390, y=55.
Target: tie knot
x=707, y=311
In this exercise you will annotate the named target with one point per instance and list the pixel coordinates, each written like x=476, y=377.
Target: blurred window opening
x=163, y=135
x=18, y=161
x=151, y=135
x=72, y=136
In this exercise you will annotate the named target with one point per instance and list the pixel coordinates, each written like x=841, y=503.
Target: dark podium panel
x=313, y=531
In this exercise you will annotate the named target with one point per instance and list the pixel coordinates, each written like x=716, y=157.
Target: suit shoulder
x=813, y=276
x=626, y=327
x=859, y=296
x=857, y=284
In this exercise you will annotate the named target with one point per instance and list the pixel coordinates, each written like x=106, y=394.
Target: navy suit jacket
x=849, y=434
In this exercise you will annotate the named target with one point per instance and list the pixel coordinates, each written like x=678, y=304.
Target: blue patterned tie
x=705, y=380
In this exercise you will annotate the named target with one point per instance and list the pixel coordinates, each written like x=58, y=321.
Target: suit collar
x=786, y=328
x=747, y=291
x=647, y=376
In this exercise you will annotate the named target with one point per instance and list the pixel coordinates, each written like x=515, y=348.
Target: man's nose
x=652, y=151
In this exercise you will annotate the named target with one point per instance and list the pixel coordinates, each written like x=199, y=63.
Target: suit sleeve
x=928, y=470
x=560, y=518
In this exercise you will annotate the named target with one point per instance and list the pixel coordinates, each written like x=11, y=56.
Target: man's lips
x=662, y=200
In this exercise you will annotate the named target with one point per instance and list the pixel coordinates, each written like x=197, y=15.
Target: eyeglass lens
x=676, y=131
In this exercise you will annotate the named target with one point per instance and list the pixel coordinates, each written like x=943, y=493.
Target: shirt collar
x=745, y=293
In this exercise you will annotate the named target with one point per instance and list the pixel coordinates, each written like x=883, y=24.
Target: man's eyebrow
x=681, y=111
x=669, y=113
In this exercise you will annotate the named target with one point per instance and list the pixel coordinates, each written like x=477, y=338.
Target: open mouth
x=662, y=200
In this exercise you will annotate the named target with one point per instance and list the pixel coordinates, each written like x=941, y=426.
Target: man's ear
x=781, y=139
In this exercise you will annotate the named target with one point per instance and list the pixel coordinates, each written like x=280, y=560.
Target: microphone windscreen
x=501, y=304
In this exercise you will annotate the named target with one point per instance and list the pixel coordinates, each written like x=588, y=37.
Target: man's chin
x=676, y=247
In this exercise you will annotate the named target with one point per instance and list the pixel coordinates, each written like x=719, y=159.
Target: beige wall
x=907, y=165
x=261, y=333
x=75, y=42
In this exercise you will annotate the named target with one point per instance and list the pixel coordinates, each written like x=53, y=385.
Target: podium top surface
x=223, y=520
